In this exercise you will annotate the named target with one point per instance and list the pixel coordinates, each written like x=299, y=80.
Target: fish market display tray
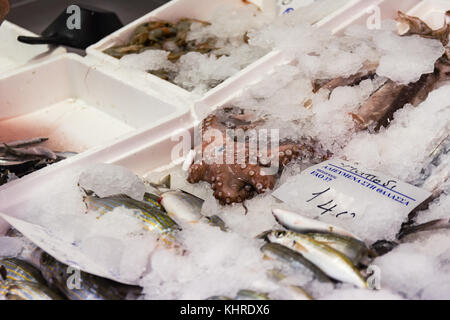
x=14, y=54
x=89, y=106
x=199, y=9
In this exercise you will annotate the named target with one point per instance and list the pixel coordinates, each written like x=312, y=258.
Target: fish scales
x=152, y=217
x=17, y=270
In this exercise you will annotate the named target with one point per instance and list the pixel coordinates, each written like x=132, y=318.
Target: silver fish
x=332, y=262
x=86, y=287
x=32, y=152
x=152, y=218
x=298, y=223
x=23, y=143
x=352, y=248
x=295, y=259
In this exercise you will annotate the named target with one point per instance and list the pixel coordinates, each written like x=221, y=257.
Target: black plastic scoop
x=78, y=26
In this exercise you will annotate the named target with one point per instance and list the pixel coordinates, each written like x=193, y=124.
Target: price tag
x=287, y=6
x=338, y=190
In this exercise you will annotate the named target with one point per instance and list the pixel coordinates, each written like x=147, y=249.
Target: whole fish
x=183, y=206
x=352, y=248
x=298, y=223
x=295, y=259
x=22, y=143
x=332, y=262
x=31, y=152
x=152, y=218
x=26, y=290
x=76, y=284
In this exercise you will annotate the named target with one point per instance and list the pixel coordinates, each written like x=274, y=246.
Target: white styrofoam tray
x=80, y=108
x=142, y=152
x=14, y=54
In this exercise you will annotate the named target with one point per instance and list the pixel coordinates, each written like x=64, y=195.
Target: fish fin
x=87, y=192
x=263, y=235
x=245, y=207
x=165, y=183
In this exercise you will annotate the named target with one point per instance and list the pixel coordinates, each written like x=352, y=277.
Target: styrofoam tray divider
x=14, y=54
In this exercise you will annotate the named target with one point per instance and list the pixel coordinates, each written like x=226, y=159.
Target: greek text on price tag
x=345, y=190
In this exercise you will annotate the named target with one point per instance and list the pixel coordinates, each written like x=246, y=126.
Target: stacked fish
x=326, y=250
x=35, y=275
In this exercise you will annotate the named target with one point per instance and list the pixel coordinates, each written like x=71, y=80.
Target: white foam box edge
x=108, y=103
x=199, y=9
x=14, y=54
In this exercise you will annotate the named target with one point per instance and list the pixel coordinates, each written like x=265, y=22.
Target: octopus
x=230, y=164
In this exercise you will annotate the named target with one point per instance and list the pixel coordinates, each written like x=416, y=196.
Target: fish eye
x=279, y=234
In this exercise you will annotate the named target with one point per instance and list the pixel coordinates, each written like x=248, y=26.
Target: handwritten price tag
x=343, y=190
x=286, y=6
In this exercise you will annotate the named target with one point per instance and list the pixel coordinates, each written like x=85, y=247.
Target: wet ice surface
x=219, y=263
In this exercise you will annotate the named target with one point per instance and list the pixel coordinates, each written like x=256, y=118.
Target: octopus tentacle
x=249, y=173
